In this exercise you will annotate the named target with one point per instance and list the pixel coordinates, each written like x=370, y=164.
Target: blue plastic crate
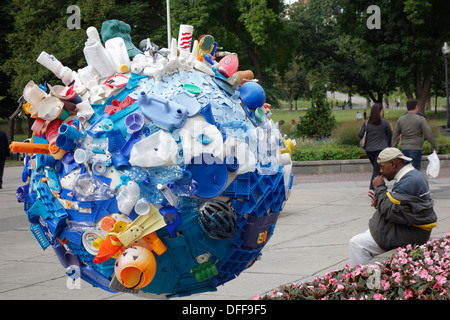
x=39, y=235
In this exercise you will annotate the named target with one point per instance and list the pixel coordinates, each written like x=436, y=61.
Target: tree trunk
x=422, y=90
x=253, y=54
x=290, y=102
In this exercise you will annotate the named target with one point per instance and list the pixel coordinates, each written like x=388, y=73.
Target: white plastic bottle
x=119, y=56
x=97, y=57
x=53, y=64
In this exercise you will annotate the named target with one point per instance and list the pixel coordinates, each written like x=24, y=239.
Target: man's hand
x=378, y=180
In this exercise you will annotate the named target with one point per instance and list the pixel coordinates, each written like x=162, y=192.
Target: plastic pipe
x=29, y=147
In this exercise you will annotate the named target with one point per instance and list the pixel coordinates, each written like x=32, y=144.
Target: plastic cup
x=142, y=206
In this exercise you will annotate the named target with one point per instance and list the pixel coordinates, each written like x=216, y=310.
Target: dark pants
x=373, y=155
x=416, y=155
x=2, y=167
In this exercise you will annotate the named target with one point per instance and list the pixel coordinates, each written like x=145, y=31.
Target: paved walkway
x=310, y=239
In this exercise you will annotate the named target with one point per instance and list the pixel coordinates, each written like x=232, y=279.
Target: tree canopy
x=334, y=40
x=403, y=52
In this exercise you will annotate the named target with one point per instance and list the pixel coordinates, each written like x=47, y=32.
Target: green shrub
x=319, y=121
x=325, y=150
x=443, y=143
x=347, y=133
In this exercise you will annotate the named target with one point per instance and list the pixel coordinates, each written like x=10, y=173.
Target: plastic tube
x=29, y=147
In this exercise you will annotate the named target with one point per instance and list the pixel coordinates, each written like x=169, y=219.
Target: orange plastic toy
x=107, y=249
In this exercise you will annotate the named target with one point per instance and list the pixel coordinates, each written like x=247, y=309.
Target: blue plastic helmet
x=217, y=220
x=252, y=94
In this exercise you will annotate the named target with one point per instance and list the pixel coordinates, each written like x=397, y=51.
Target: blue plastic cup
x=69, y=131
x=64, y=143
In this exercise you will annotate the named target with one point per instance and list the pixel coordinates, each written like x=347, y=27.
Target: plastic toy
x=157, y=174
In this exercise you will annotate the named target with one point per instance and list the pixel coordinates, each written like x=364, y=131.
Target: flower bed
x=415, y=272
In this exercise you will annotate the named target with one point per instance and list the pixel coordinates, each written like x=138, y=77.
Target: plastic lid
x=124, y=68
x=192, y=88
x=108, y=223
x=67, y=158
x=120, y=226
x=80, y=156
x=210, y=173
x=99, y=168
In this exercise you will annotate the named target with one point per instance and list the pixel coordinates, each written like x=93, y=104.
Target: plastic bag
x=433, y=166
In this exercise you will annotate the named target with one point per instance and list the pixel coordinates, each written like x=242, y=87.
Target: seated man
x=403, y=216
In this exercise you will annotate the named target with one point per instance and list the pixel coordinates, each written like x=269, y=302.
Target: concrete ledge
x=349, y=166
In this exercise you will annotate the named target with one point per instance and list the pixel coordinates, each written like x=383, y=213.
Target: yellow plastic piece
x=142, y=226
x=155, y=243
x=120, y=226
x=287, y=146
x=97, y=242
x=123, y=68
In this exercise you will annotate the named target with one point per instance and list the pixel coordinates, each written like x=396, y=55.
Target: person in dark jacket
x=379, y=136
x=403, y=216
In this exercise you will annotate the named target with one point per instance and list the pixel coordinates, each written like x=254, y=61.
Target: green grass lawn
x=349, y=115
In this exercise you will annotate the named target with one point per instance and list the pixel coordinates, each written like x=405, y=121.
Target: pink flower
x=441, y=280
x=378, y=296
x=408, y=294
x=339, y=287
x=256, y=297
x=386, y=285
x=424, y=275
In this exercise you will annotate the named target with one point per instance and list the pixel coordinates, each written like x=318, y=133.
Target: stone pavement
x=310, y=239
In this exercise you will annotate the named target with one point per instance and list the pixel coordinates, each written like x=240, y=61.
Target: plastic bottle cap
x=97, y=243
x=204, y=139
x=80, y=156
x=120, y=226
x=108, y=223
x=124, y=68
x=99, y=168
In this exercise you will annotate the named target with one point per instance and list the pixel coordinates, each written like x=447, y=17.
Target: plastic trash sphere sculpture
x=153, y=172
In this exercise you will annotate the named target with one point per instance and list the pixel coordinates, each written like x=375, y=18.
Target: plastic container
x=135, y=267
x=185, y=39
x=34, y=95
x=50, y=108
x=142, y=206
x=229, y=65
x=163, y=113
x=64, y=143
x=51, y=63
x=119, y=56
x=70, y=132
x=128, y=197
x=134, y=122
x=158, y=149
x=98, y=58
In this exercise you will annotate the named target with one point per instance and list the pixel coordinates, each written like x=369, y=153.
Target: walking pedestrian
x=379, y=135
x=412, y=130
